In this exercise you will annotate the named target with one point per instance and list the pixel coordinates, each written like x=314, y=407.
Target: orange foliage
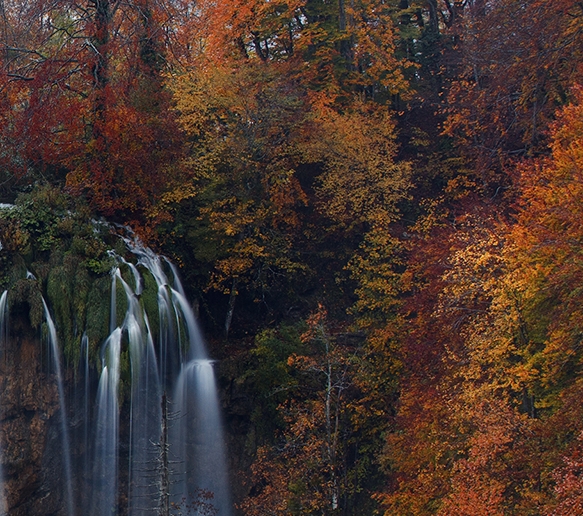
x=519, y=60
x=488, y=405
x=547, y=236
x=311, y=468
x=330, y=48
x=569, y=479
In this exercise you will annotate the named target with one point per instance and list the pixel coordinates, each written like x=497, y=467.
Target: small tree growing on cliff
x=200, y=502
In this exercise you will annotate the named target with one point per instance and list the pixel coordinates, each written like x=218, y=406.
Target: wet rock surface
x=29, y=409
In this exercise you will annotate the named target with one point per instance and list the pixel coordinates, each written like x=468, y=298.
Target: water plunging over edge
x=174, y=446
x=54, y=347
x=3, y=336
x=195, y=437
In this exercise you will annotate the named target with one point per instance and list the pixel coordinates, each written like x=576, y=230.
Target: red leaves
x=77, y=105
x=490, y=400
x=569, y=482
x=123, y=167
x=518, y=61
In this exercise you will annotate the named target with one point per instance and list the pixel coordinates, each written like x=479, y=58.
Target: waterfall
x=194, y=448
x=175, y=447
x=56, y=359
x=199, y=447
x=85, y=416
x=145, y=417
x=3, y=320
x=3, y=335
x=145, y=412
x=107, y=433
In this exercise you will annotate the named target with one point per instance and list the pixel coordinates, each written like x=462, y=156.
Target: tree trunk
x=231, y=307
x=100, y=68
x=164, y=509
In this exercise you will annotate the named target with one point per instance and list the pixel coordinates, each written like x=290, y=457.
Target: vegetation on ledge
x=376, y=208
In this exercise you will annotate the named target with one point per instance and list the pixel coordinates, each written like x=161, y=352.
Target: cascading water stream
x=107, y=432
x=195, y=440
x=3, y=320
x=86, y=419
x=54, y=347
x=168, y=448
x=146, y=416
x=3, y=336
x=199, y=445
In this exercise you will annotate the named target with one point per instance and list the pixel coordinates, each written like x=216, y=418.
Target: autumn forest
x=377, y=208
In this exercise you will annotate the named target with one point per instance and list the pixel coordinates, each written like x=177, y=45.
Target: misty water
x=150, y=436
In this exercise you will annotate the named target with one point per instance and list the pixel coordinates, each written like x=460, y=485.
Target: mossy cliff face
x=28, y=425
x=50, y=250
x=52, y=253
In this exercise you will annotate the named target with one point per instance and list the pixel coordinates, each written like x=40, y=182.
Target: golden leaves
x=496, y=345
x=362, y=182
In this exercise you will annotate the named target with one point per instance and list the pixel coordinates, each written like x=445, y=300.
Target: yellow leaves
x=243, y=165
x=176, y=195
x=505, y=320
x=375, y=50
x=375, y=266
x=252, y=128
x=474, y=266
x=362, y=182
x=205, y=99
x=230, y=230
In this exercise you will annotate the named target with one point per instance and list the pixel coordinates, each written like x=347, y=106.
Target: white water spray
x=107, y=431
x=195, y=439
x=170, y=448
x=3, y=320
x=3, y=336
x=54, y=347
